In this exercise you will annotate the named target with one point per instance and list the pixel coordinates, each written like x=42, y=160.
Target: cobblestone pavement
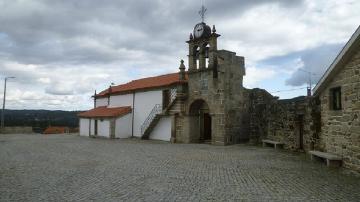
x=72, y=168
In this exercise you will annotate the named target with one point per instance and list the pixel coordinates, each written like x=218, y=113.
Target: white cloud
x=270, y=30
x=255, y=75
x=60, y=56
x=45, y=80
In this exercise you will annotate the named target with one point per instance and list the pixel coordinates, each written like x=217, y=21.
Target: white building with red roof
x=122, y=111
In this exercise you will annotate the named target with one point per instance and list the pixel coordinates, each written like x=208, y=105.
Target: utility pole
x=310, y=81
x=4, y=98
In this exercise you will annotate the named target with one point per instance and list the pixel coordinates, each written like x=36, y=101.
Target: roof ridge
x=143, y=83
x=348, y=45
x=151, y=77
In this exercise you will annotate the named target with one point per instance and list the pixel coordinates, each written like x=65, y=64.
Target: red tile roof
x=103, y=111
x=56, y=130
x=144, y=83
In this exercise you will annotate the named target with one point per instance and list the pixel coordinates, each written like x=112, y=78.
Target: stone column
x=202, y=58
x=173, y=128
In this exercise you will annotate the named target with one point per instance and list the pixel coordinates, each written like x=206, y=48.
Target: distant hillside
x=41, y=119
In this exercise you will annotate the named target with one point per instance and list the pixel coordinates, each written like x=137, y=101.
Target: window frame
x=335, y=98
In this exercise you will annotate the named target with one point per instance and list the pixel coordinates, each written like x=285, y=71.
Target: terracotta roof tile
x=105, y=112
x=144, y=83
x=56, y=130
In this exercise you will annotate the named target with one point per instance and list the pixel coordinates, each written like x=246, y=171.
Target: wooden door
x=301, y=131
x=207, y=126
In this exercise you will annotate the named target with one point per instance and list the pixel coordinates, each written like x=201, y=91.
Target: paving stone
x=73, y=168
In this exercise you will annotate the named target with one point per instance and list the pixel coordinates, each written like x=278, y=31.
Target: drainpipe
x=133, y=114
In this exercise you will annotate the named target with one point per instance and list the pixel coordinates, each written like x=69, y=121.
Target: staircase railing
x=155, y=111
x=173, y=93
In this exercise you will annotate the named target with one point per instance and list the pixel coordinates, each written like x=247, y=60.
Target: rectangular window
x=335, y=98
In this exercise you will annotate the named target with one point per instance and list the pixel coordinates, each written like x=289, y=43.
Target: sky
x=62, y=51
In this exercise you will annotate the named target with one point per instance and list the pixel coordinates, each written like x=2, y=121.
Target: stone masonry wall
x=236, y=116
x=282, y=120
x=258, y=103
x=340, y=132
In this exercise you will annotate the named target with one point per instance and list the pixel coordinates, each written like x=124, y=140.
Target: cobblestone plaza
x=72, y=168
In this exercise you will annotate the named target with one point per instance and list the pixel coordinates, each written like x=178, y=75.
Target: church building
x=206, y=102
x=201, y=103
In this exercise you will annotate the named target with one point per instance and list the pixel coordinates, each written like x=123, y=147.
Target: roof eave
x=339, y=61
x=140, y=89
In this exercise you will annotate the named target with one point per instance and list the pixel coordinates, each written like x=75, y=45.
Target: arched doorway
x=200, y=122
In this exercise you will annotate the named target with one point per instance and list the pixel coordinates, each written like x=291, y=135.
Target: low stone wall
x=17, y=130
x=292, y=122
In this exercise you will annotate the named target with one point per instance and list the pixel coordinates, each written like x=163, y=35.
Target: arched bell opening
x=196, y=57
x=206, y=48
x=200, y=121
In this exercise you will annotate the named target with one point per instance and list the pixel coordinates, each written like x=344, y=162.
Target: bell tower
x=212, y=110
x=202, y=45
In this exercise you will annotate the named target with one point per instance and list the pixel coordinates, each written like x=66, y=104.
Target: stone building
x=338, y=93
x=329, y=121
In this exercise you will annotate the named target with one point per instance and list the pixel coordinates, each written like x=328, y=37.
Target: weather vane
x=202, y=12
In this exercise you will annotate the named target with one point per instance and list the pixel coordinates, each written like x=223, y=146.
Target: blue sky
x=297, y=68
x=62, y=51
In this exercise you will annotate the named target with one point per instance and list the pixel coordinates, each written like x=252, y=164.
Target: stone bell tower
x=213, y=111
x=202, y=47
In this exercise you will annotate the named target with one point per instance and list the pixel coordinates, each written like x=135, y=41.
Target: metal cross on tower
x=202, y=12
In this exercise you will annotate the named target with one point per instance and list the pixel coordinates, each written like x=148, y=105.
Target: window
x=335, y=98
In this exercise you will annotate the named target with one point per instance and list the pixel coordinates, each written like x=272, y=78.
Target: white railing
x=155, y=111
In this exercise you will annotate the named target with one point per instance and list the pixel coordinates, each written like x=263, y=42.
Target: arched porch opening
x=200, y=121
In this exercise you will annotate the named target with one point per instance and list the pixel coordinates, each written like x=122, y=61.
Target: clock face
x=198, y=30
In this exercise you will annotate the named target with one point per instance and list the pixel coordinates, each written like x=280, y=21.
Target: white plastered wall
x=144, y=103
x=103, y=127
x=121, y=100
x=92, y=127
x=84, y=127
x=123, y=126
x=162, y=130
x=101, y=102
